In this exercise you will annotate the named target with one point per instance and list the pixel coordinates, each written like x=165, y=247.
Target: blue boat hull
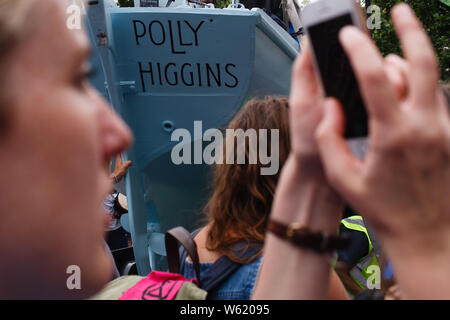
x=163, y=69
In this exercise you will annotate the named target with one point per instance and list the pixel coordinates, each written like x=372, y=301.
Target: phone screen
x=338, y=78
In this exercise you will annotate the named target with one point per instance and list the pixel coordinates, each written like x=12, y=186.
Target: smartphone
x=322, y=21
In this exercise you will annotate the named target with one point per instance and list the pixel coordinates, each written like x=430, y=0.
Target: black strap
x=298, y=33
x=181, y=235
x=183, y=253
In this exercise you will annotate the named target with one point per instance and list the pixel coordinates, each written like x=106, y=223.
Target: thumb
x=128, y=164
x=118, y=159
x=341, y=167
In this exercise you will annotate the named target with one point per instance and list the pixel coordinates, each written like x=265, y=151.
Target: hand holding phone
x=323, y=21
x=402, y=184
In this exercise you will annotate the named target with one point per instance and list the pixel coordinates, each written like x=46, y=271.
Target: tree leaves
x=435, y=16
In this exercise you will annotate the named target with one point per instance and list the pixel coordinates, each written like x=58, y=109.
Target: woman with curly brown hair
x=239, y=207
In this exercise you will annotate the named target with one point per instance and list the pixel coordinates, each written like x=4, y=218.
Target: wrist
x=303, y=237
x=305, y=197
x=114, y=179
x=410, y=257
x=418, y=244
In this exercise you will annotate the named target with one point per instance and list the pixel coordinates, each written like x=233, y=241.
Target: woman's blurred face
x=54, y=155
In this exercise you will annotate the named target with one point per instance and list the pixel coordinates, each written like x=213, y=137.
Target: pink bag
x=156, y=286
x=165, y=285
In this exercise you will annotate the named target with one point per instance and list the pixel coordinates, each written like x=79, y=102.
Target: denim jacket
x=238, y=286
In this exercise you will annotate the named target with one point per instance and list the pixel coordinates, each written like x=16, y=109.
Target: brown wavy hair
x=240, y=205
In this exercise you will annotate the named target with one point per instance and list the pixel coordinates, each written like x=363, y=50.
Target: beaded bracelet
x=304, y=237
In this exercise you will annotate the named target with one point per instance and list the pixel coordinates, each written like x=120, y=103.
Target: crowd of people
x=58, y=137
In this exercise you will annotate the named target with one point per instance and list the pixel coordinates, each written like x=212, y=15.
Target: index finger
x=304, y=81
x=368, y=65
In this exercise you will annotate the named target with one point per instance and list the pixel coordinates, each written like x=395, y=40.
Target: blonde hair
x=13, y=24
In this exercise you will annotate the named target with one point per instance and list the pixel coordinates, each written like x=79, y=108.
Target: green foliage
x=221, y=3
x=435, y=17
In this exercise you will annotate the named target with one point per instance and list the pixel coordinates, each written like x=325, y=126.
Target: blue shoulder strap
x=223, y=267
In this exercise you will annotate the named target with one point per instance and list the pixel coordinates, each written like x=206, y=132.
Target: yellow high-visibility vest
x=363, y=269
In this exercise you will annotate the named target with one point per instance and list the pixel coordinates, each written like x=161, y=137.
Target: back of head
x=14, y=26
x=56, y=137
x=242, y=198
x=13, y=23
